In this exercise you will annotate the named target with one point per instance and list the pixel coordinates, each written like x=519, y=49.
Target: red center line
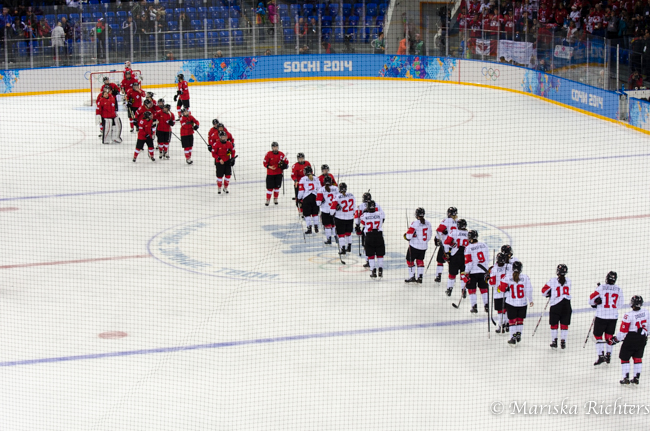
x=591, y=220
x=66, y=262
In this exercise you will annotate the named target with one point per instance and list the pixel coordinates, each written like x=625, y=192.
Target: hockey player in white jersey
x=324, y=199
x=477, y=256
x=497, y=273
x=454, y=253
x=634, y=335
x=343, y=208
x=307, y=191
x=606, y=299
x=446, y=228
x=519, y=294
x=558, y=290
x=418, y=236
x=372, y=224
x=367, y=197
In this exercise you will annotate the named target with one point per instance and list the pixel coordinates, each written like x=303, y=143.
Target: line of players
x=149, y=118
x=338, y=209
x=513, y=292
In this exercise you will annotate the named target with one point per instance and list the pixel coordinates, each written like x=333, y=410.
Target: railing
x=206, y=28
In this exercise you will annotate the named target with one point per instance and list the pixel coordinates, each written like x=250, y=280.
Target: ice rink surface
x=133, y=297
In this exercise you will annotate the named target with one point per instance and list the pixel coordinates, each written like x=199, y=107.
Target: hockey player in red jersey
x=607, y=299
x=325, y=170
x=446, y=228
x=418, y=235
x=134, y=98
x=558, y=290
x=308, y=187
x=519, y=294
x=297, y=172
x=128, y=82
x=166, y=121
x=224, y=159
x=115, y=90
x=182, y=97
x=147, y=106
x=145, y=133
x=634, y=335
x=107, y=118
x=221, y=128
x=275, y=163
x=188, y=125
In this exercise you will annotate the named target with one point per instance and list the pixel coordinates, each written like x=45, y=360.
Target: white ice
x=185, y=267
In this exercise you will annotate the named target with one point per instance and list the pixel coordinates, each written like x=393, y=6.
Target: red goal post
x=97, y=81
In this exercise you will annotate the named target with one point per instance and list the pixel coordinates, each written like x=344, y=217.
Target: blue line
x=450, y=168
x=256, y=341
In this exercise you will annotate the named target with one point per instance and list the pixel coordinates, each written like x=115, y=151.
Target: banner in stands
x=520, y=52
x=500, y=75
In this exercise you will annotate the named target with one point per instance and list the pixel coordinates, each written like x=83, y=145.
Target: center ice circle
x=280, y=253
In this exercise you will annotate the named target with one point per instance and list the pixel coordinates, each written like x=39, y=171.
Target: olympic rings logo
x=490, y=73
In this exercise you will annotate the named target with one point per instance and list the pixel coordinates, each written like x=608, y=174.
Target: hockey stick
x=304, y=238
x=589, y=332
x=435, y=252
x=492, y=301
x=540, y=317
x=199, y=133
x=461, y=300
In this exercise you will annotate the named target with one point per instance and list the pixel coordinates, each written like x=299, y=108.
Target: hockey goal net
x=97, y=81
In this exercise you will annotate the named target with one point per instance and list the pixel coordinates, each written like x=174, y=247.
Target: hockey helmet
x=343, y=188
x=562, y=269
x=472, y=235
x=420, y=212
x=501, y=259
x=136, y=84
x=371, y=206
x=149, y=95
x=611, y=277
x=517, y=266
x=301, y=155
x=327, y=181
x=106, y=79
x=148, y=103
x=184, y=111
x=462, y=224
x=106, y=89
x=215, y=122
x=167, y=107
x=309, y=170
x=223, y=136
x=507, y=250
x=636, y=301
x=161, y=102
x=367, y=197
x=147, y=115
x=323, y=167
x=180, y=76
x=275, y=145
x=452, y=212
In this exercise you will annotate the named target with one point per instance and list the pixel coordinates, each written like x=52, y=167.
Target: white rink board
x=319, y=346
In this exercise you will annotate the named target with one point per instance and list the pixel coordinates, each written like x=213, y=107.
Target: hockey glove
x=598, y=301
x=171, y=123
x=178, y=93
x=176, y=98
x=487, y=277
x=446, y=256
x=338, y=207
x=548, y=294
x=300, y=203
x=98, y=119
x=147, y=136
x=406, y=237
x=464, y=278
x=643, y=332
x=436, y=241
x=613, y=341
x=232, y=162
x=358, y=230
x=210, y=148
x=196, y=127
